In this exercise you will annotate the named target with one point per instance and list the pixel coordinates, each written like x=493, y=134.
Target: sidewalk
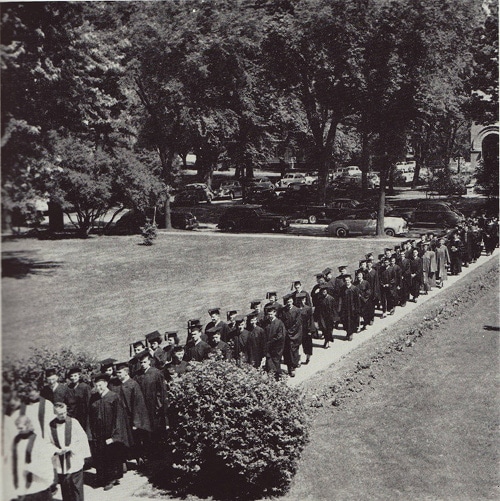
x=132, y=486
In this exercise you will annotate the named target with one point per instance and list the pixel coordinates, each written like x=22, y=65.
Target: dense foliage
x=238, y=82
x=236, y=430
x=27, y=373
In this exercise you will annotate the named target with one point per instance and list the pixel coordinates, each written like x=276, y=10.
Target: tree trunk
x=168, y=219
x=381, y=200
x=56, y=217
x=365, y=153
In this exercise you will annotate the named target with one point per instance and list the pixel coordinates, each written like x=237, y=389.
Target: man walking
x=72, y=447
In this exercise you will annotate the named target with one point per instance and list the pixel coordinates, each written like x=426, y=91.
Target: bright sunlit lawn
x=99, y=295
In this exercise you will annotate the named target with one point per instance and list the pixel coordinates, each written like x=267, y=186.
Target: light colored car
x=363, y=222
x=291, y=177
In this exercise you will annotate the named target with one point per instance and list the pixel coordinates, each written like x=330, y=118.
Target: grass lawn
x=100, y=294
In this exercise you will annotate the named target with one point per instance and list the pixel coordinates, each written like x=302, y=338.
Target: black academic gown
x=82, y=393
x=154, y=389
x=326, y=314
x=308, y=328
x=256, y=345
x=223, y=329
x=349, y=309
x=62, y=393
x=365, y=300
x=197, y=352
x=275, y=336
x=238, y=344
x=131, y=396
x=107, y=420
x=292, y=319
x=221, y=349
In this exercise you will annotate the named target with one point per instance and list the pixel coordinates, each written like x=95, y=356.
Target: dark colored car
x=259, y=195
x=193, y=194
x=252, y=218
x=131, y=222
x=229, y=189
x=327, y=213
x=435, y=214
x=261, y=183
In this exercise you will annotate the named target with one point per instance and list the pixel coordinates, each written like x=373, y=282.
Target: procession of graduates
x=121, y=413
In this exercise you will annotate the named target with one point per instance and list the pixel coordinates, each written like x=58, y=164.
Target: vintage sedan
x=326, y=213
x=252, y=218
x=229, y=189
x=131, y=222
x=363, y=222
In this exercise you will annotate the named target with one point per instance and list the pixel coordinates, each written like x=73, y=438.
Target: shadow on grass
x=20, y=264
x=491, y=328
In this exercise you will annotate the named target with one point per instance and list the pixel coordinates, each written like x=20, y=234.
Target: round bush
x=235, y=432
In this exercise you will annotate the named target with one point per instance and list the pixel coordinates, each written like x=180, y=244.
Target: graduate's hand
x=109, y=441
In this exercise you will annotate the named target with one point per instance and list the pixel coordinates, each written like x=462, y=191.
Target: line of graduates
x=49, y=438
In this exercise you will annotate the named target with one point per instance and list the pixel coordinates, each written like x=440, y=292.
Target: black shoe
x=306, y=362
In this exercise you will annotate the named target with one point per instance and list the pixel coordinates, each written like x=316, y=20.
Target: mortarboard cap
x=50, y=371
x=319, y=275
x=106, y=363
x=214, y=311
x=255, y=303
x=194, y=321
x=387, y=249
x=170, y=334
x=121, y=365
x=252, y=314
x=362, y=261
x=295, y=282
x=153, y=336
x=381, y=256
x=74, y=370
x=102, y=377
x=269, y=294
x=138, y=343
x=214, y=329
x=143, y=354
x=369, y=255
x=286, y=297
x=347, y=276
x=342, y=268
x=230, y=313
x=239, y=318
x=300, y=295
x=326, y=271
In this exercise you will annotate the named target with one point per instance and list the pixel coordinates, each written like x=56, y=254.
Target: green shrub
x=234, y=431
x=26, y=374
x=149, y=232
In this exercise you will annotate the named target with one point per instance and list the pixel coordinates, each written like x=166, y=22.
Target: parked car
x=132, y=221
x=201, y=187
x=364, y=222
x=326, y=213
x=193, y=194
x=291, y=177
x=435, y=214
x=230, y=189
x=259, y=194
x=260, y=183
x=252, y=218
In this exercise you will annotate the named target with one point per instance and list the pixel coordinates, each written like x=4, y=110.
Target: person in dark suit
x=326, y=314
x=349, y=307
x=132, y=399
x=154, y=389
x=82, y=392
x=54, y=391
x=365, y=298
x=308, y=327
x=218, y=348
x=297, y=289
x=292, y=320
x=178, y=366
x=215, y=321
x=256, y=341
x=275, y=336
x=110, y=433
x=197, y=350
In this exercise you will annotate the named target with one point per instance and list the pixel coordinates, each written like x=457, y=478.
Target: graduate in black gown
x=110, y=433
x=82, y=393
